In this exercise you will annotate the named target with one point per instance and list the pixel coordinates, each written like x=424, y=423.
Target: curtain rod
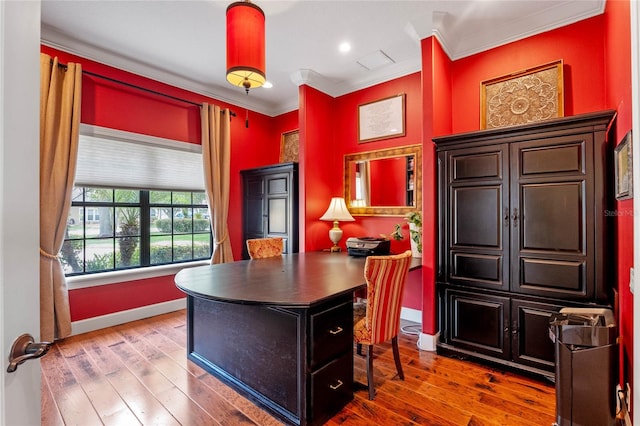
x=144, y=89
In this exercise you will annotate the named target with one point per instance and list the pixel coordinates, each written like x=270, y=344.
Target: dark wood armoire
x=523, y=215
x=270, y=204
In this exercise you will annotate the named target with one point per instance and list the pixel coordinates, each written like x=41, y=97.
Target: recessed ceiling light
x=344, y=47
x=267, y=85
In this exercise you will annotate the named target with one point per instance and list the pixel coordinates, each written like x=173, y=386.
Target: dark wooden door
x=552, y=238
x=476, y=212
x=277, y=207
x=479, y=323
x=530, y=342
x=270, y=204
x=254, y=215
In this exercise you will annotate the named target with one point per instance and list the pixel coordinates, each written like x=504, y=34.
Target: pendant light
x=245, y=45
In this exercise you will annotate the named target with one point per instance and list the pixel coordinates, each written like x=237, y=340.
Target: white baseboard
x=413, y=315
x=104, y=321
x=428, y=342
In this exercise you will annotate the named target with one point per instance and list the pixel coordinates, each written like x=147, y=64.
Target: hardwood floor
x=138, y=373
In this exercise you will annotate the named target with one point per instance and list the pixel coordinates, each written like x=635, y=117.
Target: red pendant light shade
x=245, y=45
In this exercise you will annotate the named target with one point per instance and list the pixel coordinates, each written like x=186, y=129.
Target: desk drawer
x=331, y=388
x=331, y=333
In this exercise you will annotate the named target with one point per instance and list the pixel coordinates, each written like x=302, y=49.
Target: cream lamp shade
x=337, y=212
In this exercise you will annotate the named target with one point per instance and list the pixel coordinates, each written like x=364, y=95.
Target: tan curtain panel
x=60, y=93
x=216, y=157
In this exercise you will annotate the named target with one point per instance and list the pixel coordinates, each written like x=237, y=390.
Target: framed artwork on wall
x=381, y=119
x=289, y=145
x=522, y=97
x=624, y=169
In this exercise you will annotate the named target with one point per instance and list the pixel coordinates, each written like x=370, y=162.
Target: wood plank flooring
x=138, y=373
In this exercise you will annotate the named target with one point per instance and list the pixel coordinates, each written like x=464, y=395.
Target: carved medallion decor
x=523, y=97
x=289, y=145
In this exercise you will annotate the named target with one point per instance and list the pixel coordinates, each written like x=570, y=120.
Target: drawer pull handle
x=336, y=331
x=336, y=386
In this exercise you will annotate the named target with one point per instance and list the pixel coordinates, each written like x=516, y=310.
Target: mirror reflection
x=383, y=182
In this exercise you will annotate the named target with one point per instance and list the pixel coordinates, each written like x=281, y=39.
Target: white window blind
x=118, y=159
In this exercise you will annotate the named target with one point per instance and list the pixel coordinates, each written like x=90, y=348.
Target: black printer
x=367, y=246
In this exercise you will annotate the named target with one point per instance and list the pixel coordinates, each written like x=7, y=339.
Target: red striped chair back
x=385, y=276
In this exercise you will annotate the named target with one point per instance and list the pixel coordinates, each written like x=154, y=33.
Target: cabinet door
x=253, y=207
x=270, y=205
x=552, y=225
x=479, y=323
x=476, y=213
x=530, y=342
x=277, y=207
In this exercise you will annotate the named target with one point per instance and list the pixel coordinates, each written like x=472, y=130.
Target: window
x=138, y=201
x=113, y=229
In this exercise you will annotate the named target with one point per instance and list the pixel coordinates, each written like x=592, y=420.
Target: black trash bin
x=586, y=366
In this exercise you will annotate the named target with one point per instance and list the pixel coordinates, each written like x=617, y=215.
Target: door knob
x=23, y=349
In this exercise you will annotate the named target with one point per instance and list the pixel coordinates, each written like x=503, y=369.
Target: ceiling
x=182, y=43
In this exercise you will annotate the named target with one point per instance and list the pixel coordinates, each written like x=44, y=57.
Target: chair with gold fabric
x=379, y=321
x=260, y=248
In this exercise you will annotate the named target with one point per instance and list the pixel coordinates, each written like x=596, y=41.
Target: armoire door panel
x=553, y=159
x=477, y=269
x=552, y=217
x=254, y=188
x=254, y=220
x=277, y=213
x=270, y=204
x=477, y=217
x=553, y=277
x=530, y=342
x=277, y=185
x=479, y=322
x=476, y=166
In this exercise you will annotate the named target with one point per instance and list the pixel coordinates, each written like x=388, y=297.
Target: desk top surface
x=298, y=279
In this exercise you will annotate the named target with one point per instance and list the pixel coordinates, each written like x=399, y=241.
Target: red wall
x=285, y=123
x=320, y=177
x=436, y=109
x=580, y=46
x=345, y=118
x=618, y=96
x=106, y=299
x=412, y=295
x=114, y=105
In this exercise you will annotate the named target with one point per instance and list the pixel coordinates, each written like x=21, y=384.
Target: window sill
x=114, y=277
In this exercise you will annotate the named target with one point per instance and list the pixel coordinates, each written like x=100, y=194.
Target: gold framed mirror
x=384, y=182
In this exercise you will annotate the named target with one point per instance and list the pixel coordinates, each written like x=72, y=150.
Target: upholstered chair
x=260, y=248
x=378, y=320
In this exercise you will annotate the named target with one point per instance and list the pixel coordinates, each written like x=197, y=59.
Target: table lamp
x=336, y=212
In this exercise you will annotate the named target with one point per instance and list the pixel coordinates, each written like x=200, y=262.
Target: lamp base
x=335, y=234
x=334, y=249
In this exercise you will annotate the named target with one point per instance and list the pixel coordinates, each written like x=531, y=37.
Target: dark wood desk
x=279, y=330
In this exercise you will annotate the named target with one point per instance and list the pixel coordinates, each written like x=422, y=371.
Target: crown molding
x=57, y=40
x=325, y=85
x=557, y=15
